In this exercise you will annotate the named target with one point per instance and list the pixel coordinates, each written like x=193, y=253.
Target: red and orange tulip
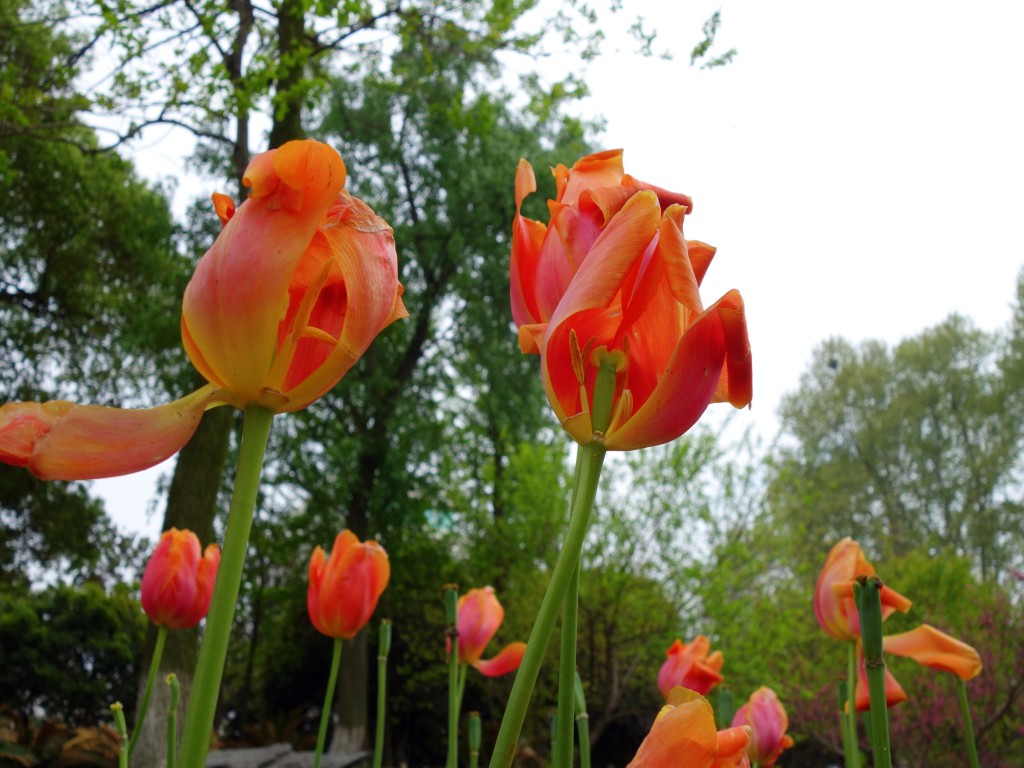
x=613, y=275
x=480, y=615
x=834, y=605
x=301, y=279
x=178, y=581
x=691, y=666
x=684, y=734
x=344, y=587
x=768, y=723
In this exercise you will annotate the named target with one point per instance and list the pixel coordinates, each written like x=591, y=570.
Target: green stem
x=582, y=723
x=475, y=732
x=325, y=713
x=590, y=458
x=172, y=718
x=869, y=604
x=567, y=674
x=965, y=710
x=154, y=667
x=202, y=702
x=451, y=596
x=844, y=724
x=853, y=755
x=383, y=649
x=122, y=731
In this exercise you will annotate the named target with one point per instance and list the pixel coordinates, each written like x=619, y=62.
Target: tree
x=914, y=446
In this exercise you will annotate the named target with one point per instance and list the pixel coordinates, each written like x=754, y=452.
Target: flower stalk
x=325, y=712
x=122, y=730
x=965, y=711
x=172, y=718
x=582, y=724
x=869, y=602
x=202, y=703
x=383, y=649
x=451, y=613
x=475, y=737
x=154, y=666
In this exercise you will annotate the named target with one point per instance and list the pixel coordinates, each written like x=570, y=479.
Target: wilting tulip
x=691, y=666
x=480, y=615
x=768, y=722
x=612, y=278
x=344, y=587
x=300, y=280
x=684, y=734
x=834, y=604
x=933, y=648
x=178, y=581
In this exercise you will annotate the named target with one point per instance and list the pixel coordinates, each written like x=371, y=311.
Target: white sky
x=860, y=167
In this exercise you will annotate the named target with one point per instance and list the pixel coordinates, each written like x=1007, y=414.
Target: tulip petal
x=683, y=392
x=601, y=169
x=527, y=238
x=683, y=734
x=735, y=385
x=59, y=440
x=507, y=660
x=479, y=616
x=236, y=299
x=933, y=648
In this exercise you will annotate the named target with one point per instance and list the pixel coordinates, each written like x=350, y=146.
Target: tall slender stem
x=582, y=723
x=475, y=732
x=853, y=754
x=567, y=674
x=591, y=457
x=325, y=712
x=202, y=702
x=154, y=667
x=383, y=649
x=122, y=732
x=869, y=605
x=965, y=710
x=451, y=597
x=172, y=719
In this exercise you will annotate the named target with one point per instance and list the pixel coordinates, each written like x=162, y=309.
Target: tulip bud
x=344, y=588
x=178, y=581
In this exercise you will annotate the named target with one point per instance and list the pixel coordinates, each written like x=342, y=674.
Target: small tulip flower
x=691, y=666
x=344, y=587
x=612, y=275
x=834, y=605
x=178, y=581
x=768, y=722
x=684, y=734
x=480, y=615
x=301, y=279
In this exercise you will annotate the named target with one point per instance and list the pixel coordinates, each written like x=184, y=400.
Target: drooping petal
x=894, y=693
x=59, y=440
x=238, y=295
x=933, y=648
x=507, y=660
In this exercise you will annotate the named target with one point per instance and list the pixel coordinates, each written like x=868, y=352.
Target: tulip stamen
x=300, y=326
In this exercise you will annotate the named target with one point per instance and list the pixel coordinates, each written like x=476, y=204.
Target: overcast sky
x=859, y=166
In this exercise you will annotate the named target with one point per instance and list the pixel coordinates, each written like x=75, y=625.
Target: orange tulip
x=834, y=605
x=480, y=615
x=178, y=581
x=768, y=722
x=344, y=588
x=933, y=648
x=684, y=734
x=612, y=277
x=690, y=666
x=300, y=280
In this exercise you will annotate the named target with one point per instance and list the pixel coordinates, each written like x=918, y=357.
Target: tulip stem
x=325, y=712
x=869, y=605
x=589, y=459
x=202, y=702
x=965, y=710
x=563, y=756
x=383, y=649
x=475, y=732
x=154, y=667
x=853, y=743
x=172, y=718
x=451, y=597
x=582, y=723
x=122, y=731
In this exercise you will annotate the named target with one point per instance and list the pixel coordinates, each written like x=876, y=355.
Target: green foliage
x=70, y=651
x=917, y=445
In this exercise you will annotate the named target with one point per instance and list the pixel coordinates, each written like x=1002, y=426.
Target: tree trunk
x=192, y=504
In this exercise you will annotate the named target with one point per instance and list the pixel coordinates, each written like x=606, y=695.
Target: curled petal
x=507, y=660
x=933, y=648
x=59, y=440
